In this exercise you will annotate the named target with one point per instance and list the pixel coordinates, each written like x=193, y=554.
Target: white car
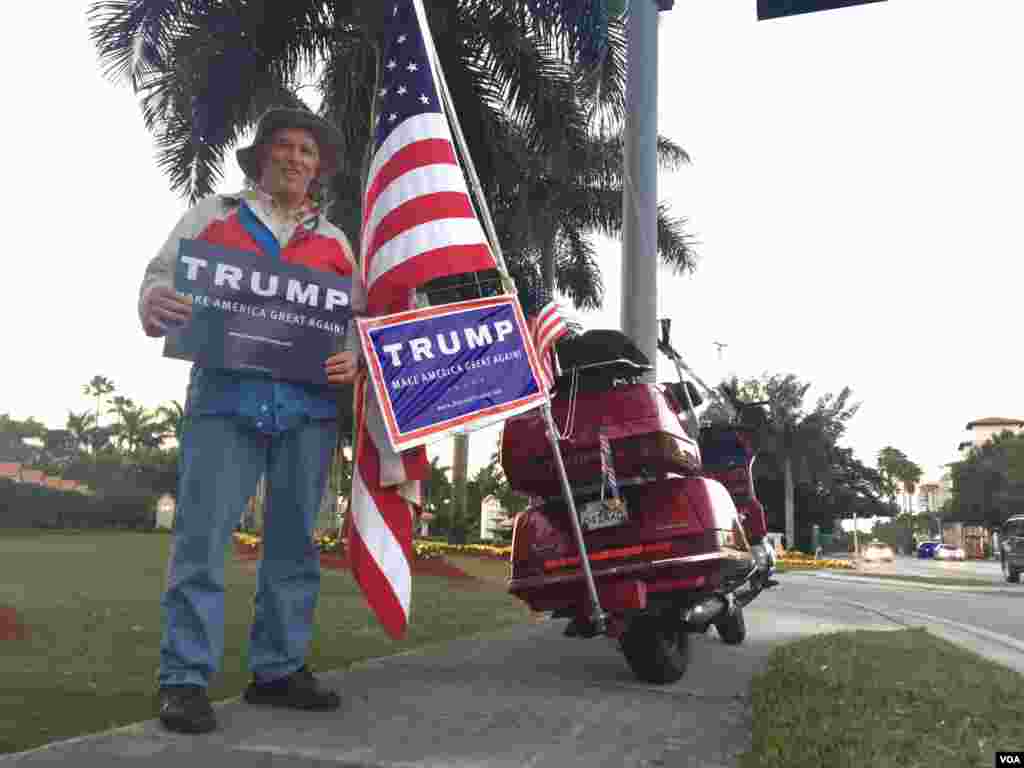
x=949, y=552
x=877, y=551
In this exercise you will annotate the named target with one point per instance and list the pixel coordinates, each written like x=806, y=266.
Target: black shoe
x=299, y=690
x=186, y=709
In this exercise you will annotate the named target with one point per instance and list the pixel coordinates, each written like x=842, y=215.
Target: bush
x=33, y=506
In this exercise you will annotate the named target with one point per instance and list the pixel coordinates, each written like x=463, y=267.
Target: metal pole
x=598, y=617
x=640, y=193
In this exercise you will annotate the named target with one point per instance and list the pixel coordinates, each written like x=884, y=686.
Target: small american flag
x=608, y=466
x=418, y=225
x=418, y=219
x=546, y=326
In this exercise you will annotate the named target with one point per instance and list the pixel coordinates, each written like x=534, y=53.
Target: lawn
x=91, y=603
x=900, y=699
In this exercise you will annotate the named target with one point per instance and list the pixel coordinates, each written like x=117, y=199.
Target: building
x=983, y=430
x=33, y=476
x=492, y=516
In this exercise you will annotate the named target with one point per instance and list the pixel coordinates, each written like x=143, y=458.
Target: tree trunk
x=460, y=468
x=788, y=490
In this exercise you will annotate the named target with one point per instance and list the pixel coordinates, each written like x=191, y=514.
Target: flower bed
x=429, y=557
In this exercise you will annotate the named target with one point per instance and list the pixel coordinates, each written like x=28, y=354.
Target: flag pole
x=598, y=616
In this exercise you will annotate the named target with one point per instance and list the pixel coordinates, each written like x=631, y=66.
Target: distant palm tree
x=98, y=387
x=801, y=441
x=80, y=425
x=172, y=418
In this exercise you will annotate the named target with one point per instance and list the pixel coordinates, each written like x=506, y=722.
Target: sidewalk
x=521, y=697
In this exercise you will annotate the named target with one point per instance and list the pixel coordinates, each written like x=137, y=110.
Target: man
x=239, y=426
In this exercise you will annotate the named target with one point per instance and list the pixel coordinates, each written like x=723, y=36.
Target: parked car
x=949, y=552
x=1011, y=548
x=876, y=551
x=926, y=549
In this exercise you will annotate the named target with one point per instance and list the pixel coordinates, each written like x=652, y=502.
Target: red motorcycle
x=668, y=536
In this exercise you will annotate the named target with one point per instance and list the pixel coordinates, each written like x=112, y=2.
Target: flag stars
x=402, y=90
x=391, y=64
x=424, y=99
x=383, y=91
x=392, y=117
x=402, y=39
x=412, y=67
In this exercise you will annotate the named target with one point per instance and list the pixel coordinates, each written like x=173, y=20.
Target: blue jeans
x=221, y=461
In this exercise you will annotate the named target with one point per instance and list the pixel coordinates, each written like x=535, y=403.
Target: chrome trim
x=617, y=570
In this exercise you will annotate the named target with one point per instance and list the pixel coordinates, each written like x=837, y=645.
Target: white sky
x=854, y=189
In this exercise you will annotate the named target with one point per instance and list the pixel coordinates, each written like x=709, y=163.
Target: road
x=530, y=697
x=912, y=566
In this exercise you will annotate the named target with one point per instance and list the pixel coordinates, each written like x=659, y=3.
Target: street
x=528, y=696
x=905, y=565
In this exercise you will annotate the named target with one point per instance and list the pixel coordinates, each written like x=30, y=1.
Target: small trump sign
x=452, y=368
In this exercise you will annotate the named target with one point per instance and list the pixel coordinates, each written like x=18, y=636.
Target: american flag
x=418, y=220
x=418, y=225
x=608, y=466
x=546, y=327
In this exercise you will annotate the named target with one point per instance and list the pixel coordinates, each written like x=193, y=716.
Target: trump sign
x=257, y=314
x=452, y=368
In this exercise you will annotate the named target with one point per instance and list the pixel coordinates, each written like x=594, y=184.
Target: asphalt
x=521, y=697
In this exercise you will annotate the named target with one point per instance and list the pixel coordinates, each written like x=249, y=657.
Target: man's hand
x=341, y=368
x=163, y=309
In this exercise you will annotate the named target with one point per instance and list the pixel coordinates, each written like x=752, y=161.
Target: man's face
x=291, y=160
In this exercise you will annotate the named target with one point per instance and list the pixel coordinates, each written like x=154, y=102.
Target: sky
x=854, y=191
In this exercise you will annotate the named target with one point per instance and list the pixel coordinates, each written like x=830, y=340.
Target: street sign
x=774, y=9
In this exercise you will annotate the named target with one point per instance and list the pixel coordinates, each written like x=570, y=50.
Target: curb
x=917, y=584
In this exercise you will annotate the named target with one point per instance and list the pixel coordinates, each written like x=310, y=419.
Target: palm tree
x=172, y=419
x=99, y=387
x=802, y=442
x=80, y=425
x=518, y=95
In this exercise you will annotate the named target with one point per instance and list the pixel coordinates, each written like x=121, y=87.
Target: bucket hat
x=329, y=140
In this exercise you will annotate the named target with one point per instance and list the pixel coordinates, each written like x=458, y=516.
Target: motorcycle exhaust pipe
x=706, y=610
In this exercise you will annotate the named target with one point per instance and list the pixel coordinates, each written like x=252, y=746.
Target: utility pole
x=640, y=194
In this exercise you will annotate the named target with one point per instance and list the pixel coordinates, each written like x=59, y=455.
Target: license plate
x=603, y=514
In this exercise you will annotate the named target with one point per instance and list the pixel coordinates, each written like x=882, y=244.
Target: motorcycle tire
x=656, y=651
x=732, y=629
x=1010, y=573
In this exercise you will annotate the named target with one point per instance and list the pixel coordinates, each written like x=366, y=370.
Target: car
x=949, y=552
x=926, y=549
x=1011, y=548
x=876, y=551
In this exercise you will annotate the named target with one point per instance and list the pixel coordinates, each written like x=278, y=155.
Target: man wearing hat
x=240, y=426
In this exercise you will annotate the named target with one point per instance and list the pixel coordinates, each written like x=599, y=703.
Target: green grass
x=902, y=699
x=91, y=601
x=488, y=569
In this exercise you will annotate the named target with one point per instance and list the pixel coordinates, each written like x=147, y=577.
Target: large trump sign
x=251, y=312
x=452, y=368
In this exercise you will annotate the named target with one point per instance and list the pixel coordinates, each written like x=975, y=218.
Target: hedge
x=23, y=505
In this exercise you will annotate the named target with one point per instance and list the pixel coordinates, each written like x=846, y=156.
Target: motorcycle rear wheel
x=655, y=650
